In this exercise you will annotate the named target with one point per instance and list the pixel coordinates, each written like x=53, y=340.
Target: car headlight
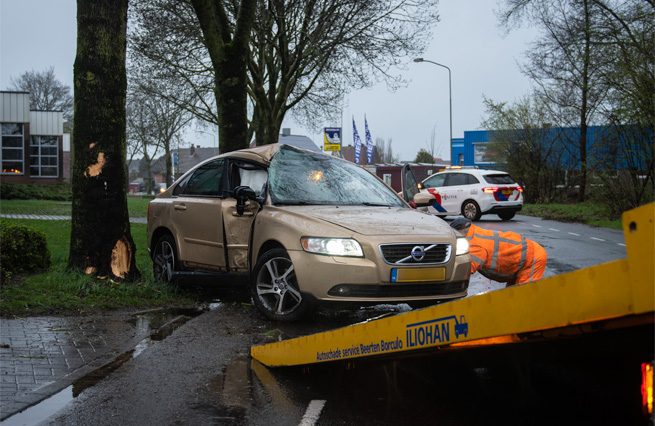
x=462, y=246
x=332, y=246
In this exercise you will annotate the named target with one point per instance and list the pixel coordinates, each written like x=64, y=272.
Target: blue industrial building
x=602, y=143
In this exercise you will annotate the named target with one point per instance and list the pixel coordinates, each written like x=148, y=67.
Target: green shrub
x=29, y=191
x=24, y=249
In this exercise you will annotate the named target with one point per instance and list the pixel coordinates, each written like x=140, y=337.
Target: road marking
x=313, y=412
x=621, y=244
x=597, y=239
x=553, y=229
x=537, y=226
x=573, y=233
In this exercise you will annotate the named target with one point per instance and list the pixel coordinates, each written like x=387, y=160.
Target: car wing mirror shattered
x=243, y=194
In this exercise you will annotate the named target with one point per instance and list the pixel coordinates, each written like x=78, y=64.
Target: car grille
x=401, y=254
x=400, y=290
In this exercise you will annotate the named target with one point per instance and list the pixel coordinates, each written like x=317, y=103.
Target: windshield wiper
x=291, y=203
x=366, y=203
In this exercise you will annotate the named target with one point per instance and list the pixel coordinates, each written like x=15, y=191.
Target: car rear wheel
x=471, y=210
x=164, y=259
x=275, y=289
x=506, y=215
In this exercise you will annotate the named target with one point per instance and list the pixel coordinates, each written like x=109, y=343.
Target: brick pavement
x=41, y=356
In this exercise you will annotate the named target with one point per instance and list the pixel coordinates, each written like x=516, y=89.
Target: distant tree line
x=593, y=65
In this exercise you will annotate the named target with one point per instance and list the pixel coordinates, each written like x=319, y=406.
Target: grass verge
x=137, y=206
x=60, y=292
x=589, y=213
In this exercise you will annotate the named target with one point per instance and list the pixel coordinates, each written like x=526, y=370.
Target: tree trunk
x=101, y=241
x=584, y=105
x=149, y=180
x=169, y=163
x=268, y=127
x=232, y=100
x=228, y=47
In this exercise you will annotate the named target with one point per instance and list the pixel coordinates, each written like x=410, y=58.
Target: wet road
x=201, y=372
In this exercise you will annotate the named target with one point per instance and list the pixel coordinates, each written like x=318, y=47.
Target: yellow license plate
x=406, y=275
x=507, y=192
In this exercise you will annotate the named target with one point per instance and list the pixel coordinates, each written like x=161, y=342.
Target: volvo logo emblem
x=418, y=253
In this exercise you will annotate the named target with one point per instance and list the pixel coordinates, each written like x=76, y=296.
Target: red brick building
x=390, y=173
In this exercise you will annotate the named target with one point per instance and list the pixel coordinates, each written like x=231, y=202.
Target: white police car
x=473, y=192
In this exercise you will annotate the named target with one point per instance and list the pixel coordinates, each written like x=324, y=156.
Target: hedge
x=24, y=249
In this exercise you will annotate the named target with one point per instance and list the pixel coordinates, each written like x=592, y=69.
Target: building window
x=482, y=155
x=44, y=156
x=387, y=179
x=11, y=154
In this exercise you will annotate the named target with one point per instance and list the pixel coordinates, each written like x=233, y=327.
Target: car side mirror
x=243, y=194
x=424, y=200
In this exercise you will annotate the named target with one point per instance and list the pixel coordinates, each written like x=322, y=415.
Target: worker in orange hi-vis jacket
x=502, y=256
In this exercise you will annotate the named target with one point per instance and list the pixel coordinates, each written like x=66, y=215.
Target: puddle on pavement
x=246, y=389
x=157, y=325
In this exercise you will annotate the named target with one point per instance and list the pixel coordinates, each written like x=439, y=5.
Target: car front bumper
x=336, y=279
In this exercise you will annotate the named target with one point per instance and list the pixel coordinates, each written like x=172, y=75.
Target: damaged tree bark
x=101, y=241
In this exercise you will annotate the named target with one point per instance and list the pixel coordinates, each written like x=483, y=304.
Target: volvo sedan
x=305, y=228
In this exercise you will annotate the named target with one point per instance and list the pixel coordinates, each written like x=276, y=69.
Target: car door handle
x=180, y=207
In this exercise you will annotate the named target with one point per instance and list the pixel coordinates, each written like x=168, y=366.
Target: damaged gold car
x=305, y=228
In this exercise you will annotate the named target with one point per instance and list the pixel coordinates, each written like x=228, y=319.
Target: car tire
x=274, y=288
x=506, y=215
x=471, y=210
x=164, y=259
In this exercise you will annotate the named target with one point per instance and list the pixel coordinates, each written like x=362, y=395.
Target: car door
x=410, y=190
x=239, y=212
x=408, y=184
x=196, y=214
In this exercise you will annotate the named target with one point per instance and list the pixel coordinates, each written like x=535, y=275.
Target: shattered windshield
x=303, y=177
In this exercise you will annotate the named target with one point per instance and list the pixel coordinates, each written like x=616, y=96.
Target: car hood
x=366, y=220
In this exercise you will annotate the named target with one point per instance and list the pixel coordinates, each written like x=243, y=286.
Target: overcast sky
x=37, y=34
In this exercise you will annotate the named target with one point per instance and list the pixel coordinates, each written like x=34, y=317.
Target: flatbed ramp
x=614, y=295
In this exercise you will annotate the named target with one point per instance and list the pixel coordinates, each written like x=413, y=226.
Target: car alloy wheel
x=275, y=289
x=164, y=259
x=471, y=210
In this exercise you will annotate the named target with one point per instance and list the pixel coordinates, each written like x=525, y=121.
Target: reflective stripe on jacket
x=498, y=255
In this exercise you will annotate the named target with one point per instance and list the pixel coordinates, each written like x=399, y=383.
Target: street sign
x=174, y=158
x=332, y=140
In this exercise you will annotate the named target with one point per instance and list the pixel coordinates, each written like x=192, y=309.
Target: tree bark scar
x=120, y=258
x=95, y=169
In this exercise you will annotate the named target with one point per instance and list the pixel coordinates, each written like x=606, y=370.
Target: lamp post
x=450, y=94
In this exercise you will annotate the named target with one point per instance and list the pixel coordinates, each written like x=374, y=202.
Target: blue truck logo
x=461, y=327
